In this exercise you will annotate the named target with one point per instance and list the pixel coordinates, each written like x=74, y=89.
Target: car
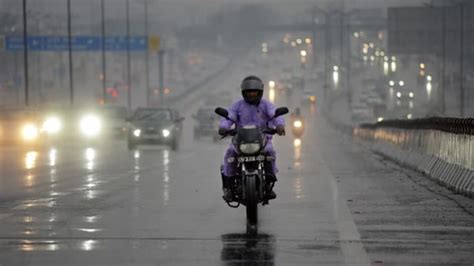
x=309, y=96
x=154, y=126
x=20, y=126
x=80, y=125
x=206, y=123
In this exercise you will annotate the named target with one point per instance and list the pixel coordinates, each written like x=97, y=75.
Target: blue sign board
x=78, y=43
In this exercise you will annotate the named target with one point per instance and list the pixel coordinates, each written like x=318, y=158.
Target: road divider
x=441, y=148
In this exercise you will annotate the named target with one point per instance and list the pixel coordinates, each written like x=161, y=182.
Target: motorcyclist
x=251, y=110
x=297, y=123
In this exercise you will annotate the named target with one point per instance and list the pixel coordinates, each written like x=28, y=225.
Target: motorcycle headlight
x=137, y=133
x=166, y=133
x=52, y=125
x=29, y=132
x=249, y=148
x=90, y=125
x=297, y=124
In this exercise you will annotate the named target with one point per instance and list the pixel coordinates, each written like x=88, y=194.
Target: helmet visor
x=252, y=85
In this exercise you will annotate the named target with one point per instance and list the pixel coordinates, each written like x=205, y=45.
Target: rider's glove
x=280, y=130
x=222, y=131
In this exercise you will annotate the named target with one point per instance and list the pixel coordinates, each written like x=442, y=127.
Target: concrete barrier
x=445, y=154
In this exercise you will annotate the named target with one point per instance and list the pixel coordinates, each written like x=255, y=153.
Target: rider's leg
x=227, y=172
x=270, y=171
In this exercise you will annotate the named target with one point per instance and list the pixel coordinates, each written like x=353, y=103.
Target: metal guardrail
x=463, y=126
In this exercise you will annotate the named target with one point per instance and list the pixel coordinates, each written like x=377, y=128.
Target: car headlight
x=297, y=124
x=249, y=148
x=90, y=125
x=166, y=133
x=29, y=132
x=52, y=125
x=137, y=133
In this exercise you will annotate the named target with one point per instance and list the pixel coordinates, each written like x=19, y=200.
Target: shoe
x=271, y=195
x=228, y=195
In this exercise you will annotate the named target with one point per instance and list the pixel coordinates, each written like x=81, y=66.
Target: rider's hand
x=222, y=131
x=280, y=130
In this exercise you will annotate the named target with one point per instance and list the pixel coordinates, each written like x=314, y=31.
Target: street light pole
x=129, y=93
x=71, y=74
x=104, y=62
x=25, y=53
x=147, y=60
x=461, y=59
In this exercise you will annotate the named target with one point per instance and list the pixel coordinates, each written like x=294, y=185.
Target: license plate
x=251, y=159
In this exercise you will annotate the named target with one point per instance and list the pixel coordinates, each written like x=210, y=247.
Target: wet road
x=337, y=204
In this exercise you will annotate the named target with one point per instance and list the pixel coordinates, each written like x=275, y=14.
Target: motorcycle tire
x=251, y=200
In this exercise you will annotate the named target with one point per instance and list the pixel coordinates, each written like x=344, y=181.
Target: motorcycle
x=251, y=185
x=297, y=127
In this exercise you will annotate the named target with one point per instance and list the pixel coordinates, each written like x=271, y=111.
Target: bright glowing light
x=365, y=50
x=411, y=94
x=377, y=53
x=429, y=78
x=391, y=83
x=90, y=125
x=312, y=98
x=137, y=133
x=422, y=66
x=297, y=142
x=271, y=95
x=335, y=77
x=385, y=68
x=264, y=44
x=428, y=90
x=303, y=53
x=372, y=58
x=410, y=104
x=356, y=34
x=365, y=58
x=399, y=94
x=52, y=157
x=293, y=44
x=30, y=160
x=52, y=125
x=166, y=133
x=336, y=68
x=299, y=41
x=394, y=58
x=90, y=154
x=264, y=50
x=297, y=124
x=401, y=83
x=308, y=40
x=394, y=66
x=371, y=45
x=382, y=53
x=29, y=132
x=385, y=58
x=271, y=84
x=409, y=116
x=379, y=119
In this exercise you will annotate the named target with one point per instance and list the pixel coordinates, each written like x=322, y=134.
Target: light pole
x=104, y=62
x=71, y=71
x=147, y=54
x=25, y=53
x=129, y=88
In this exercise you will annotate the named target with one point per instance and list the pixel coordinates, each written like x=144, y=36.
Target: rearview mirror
x=222, y=112
x=281, y=111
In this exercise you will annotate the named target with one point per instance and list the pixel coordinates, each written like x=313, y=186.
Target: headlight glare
x=52, y=125
x=297, y=124
x=166, y=133
x=90, y=125
x=29, y=132
x=249, y=148
x=137, y=133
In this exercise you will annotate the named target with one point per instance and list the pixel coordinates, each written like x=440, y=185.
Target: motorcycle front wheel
x=251, y=200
